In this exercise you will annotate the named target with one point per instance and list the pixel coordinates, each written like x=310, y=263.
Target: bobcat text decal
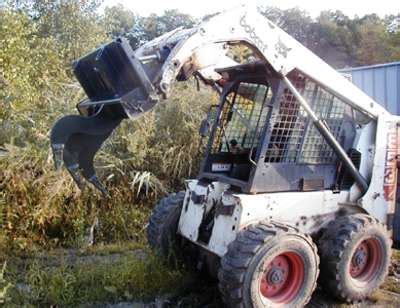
x=280, y=47
x=390, y=178
x=252, y=33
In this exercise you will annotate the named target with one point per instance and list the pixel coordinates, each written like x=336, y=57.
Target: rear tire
x=269, y=264
x=163, y=225
x=355, y=255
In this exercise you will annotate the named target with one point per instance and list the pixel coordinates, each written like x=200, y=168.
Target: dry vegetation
x=122, y=277
x=42, y=211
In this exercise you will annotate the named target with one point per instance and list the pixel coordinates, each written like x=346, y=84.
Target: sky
x=199, y=8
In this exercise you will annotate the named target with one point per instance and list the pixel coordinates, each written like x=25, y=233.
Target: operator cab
x=238, y=121
x=262, y=140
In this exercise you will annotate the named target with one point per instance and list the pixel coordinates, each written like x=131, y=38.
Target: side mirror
x=204, y=129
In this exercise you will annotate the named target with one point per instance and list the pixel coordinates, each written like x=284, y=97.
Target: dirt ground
x=208, y=297
x=203, y=293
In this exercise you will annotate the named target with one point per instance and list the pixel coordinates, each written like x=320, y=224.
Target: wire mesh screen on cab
x=243, y=117
x=293, y=137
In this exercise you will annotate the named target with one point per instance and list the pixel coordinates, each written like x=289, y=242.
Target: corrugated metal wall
x=381, y=82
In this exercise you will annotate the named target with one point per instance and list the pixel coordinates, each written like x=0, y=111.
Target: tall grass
x=140, y=162
x=94, y=282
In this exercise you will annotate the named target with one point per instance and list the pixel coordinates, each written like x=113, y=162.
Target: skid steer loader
x=299, y=177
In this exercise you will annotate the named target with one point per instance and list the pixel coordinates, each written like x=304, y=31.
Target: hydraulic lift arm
x=122, y=83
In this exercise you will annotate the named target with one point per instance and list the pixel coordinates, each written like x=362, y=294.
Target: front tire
x=355, y=255
x=269, y=265
x=163, y=225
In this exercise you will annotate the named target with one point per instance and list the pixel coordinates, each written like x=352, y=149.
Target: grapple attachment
x=121, y=83
x=118, y=86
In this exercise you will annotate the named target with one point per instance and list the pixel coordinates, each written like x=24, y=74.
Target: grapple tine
x=96, y=183
x=76, y=175
x=85, y=147
x=75, y=141
x=71, y=163
x=86, y=161
x=58, y=150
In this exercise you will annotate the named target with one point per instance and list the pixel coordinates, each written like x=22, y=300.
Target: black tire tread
x=158, y=224
x=332, y=244
x=234, y=264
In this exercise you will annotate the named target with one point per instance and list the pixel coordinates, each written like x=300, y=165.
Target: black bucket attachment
x=118, y=86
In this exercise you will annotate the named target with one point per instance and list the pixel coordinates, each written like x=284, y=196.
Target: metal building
x=381, y=82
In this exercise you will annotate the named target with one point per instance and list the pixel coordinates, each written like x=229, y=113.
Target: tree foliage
x=340, y=40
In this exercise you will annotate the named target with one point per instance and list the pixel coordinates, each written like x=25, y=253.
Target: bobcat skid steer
x=299, y=178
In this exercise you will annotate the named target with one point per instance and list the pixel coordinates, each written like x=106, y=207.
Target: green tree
x=335, y=38
x=294, y=21
x=374, y=44
x=393, y=27
x=29, y=68
x=38, y=41
x=156, y=25
x=75, y=24
x=394, y=40
x=331, y=35
x=118, y=20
